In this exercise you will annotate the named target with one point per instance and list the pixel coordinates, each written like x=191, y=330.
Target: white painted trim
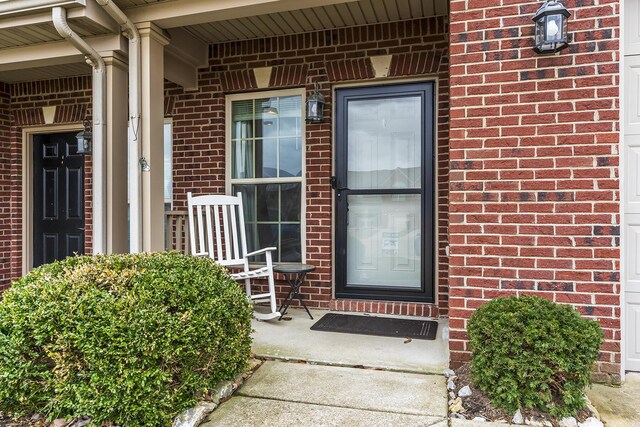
x=91, y=12
x=24, y=6
x=62, y=52
x=27, y=185
x=303, y=179
x=436, y=237
x=622, y=198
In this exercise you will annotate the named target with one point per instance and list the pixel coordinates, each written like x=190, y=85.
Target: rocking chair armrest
x=261, y=251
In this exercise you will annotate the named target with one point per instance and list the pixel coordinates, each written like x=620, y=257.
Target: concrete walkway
x=618, y=406
x=335, y=389
x=294, y=394
x=330, y=379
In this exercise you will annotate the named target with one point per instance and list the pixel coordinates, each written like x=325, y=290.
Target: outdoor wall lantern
x=144, y=165
x=315, y=106
x=551, y=27
x=84, y=138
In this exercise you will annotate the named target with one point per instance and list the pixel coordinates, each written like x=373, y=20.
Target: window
x=266, y=164
x=168, y=164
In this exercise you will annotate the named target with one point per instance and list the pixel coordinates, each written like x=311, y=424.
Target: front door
x=384, y=192
x=58, y=198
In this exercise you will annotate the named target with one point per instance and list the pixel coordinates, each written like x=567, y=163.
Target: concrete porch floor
x=294, y=340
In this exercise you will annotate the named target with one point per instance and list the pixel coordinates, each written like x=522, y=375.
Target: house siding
x=534, y=165
x=418, y=49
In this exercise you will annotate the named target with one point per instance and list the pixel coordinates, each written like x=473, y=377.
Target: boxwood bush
x=133, y=339
x=528, y=352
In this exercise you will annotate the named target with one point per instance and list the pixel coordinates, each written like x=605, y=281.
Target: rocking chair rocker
x=217, y=217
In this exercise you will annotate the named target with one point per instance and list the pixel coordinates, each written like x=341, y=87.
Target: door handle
x=335, y=186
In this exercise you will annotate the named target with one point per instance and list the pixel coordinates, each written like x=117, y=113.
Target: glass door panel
x=383, y=237
x=384, y=143
x=384, y=192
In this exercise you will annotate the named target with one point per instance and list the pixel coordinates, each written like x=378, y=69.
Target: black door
x=384, y=192
x=58, y=198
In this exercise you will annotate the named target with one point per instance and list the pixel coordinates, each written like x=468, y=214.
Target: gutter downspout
x=99, y=103
x=135, y=106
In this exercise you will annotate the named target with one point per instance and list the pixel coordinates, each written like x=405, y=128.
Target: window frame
x=229, y=181
x=168, y=121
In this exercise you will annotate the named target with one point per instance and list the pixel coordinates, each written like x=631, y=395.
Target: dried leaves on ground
x=7, y=421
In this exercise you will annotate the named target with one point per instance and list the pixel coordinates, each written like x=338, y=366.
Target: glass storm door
x=384, y=192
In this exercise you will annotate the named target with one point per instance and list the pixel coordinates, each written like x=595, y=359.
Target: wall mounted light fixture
x=85, y=138
x=551, y=22
x=315, y=106
x=144, y=165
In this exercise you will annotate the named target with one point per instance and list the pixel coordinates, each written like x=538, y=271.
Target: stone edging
x=193, y=417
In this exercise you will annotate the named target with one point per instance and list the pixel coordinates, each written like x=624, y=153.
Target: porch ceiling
x=33, y=30
x=332, y=16
x=43, y=73
x=125, y=4
x=44, y=33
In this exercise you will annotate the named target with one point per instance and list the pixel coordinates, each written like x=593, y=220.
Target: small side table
x=294, y=274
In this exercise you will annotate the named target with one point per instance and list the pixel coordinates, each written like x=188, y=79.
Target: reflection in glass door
x=384, y=192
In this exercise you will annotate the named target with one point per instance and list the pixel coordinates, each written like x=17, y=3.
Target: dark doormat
x=378, y=326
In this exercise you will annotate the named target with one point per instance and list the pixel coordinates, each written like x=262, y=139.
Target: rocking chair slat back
x=230, y=247
x=216, y=236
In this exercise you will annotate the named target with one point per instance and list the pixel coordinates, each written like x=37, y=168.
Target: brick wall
x=534, y=165
x=5, y=187
x=72, y=99
x=418, y=48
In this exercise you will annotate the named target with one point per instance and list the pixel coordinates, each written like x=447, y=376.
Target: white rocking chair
x=216, y=217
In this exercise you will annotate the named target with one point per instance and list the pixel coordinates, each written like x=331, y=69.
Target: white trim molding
x=27, y=185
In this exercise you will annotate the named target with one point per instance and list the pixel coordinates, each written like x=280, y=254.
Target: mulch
x=479, y=405
x=7, y=421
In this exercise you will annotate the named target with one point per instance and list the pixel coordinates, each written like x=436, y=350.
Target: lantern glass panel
x=314, y=110
x=554, y=28
x=540, y=31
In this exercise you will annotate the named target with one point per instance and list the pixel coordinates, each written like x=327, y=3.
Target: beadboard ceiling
x=125, y=4
x=354, y=13
x=44, y=33
x=350, y=13
x=43, y=73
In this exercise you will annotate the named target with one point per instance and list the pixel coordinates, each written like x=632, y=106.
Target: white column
x=152, y=144
x=116, y=152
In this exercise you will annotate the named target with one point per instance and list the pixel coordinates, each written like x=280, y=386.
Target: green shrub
x=127, y=338
x=528, y=352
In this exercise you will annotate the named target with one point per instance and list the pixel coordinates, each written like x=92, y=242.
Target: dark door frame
x=425, y=89
x=27, y=184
